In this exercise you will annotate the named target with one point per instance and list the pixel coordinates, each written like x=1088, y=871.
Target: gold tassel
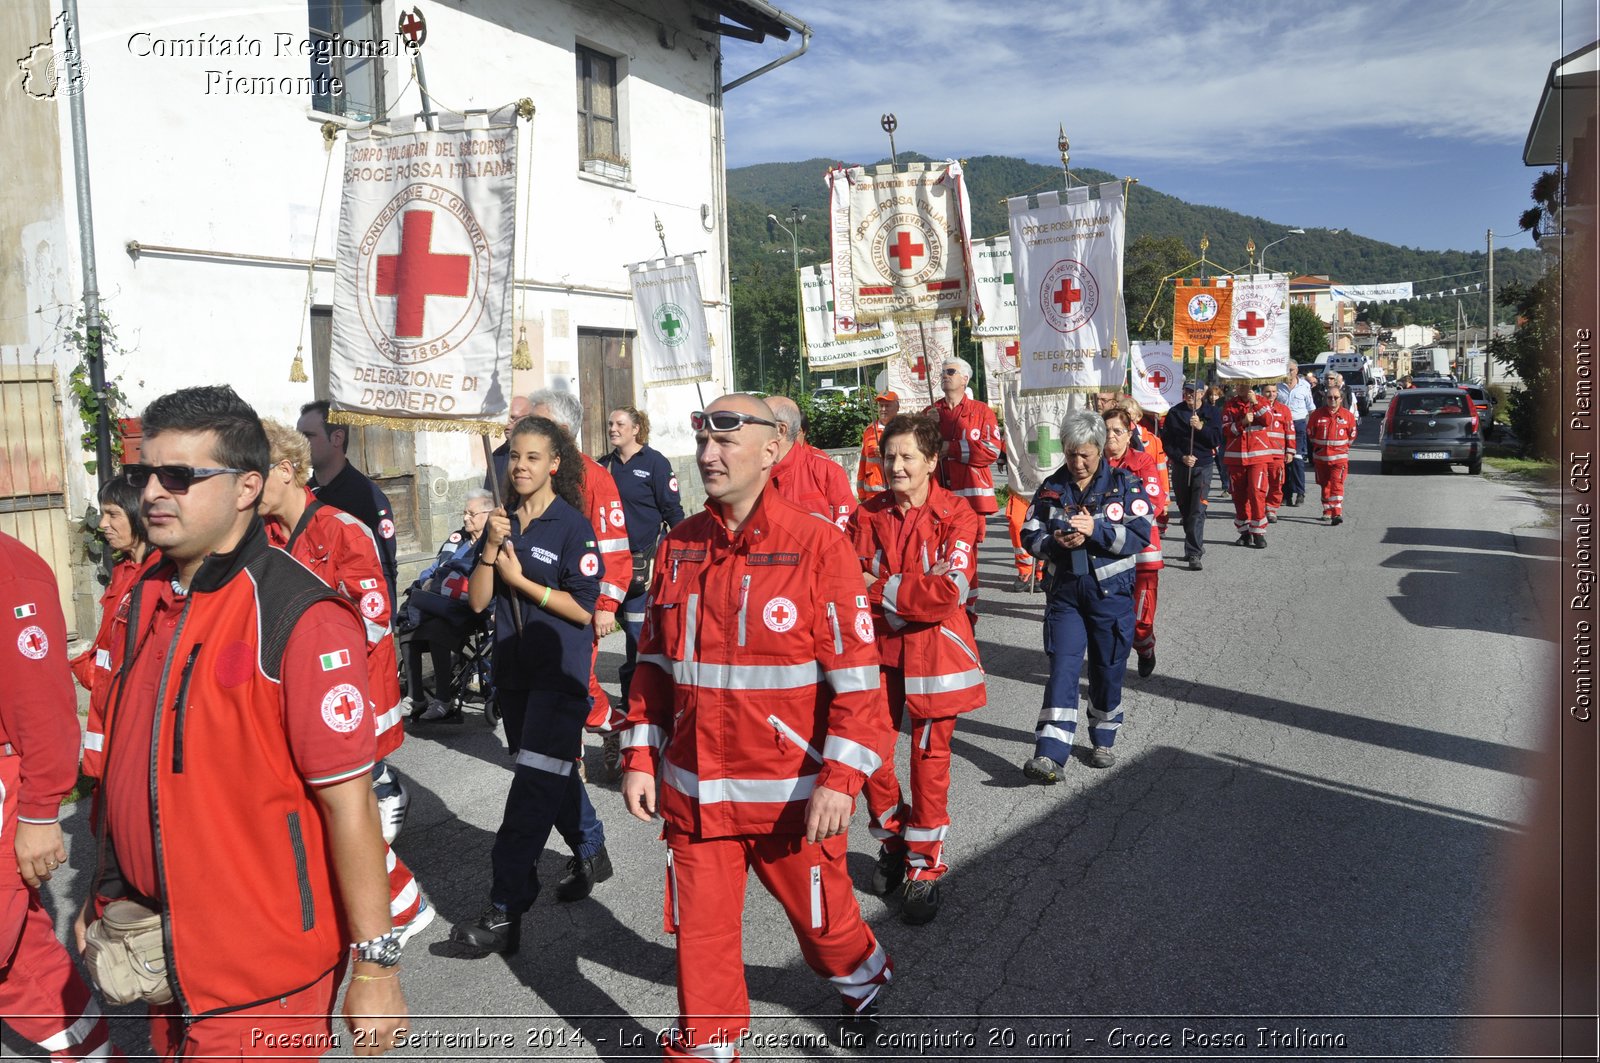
x=297, y=371
x=521, y=357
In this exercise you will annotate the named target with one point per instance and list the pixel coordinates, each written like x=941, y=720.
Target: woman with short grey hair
x=1088, y=523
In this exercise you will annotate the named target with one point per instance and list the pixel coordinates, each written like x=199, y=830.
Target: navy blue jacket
x=355, y=493
x=649, y=491
x=1175, y=435
x=1122, y=514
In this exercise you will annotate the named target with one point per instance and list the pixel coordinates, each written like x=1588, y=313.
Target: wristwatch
x=383, y=950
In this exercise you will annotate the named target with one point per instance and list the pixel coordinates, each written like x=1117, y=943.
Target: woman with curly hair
x=539, y=566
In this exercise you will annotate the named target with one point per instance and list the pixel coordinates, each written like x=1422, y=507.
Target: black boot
x=496, y=930
x=582, y=875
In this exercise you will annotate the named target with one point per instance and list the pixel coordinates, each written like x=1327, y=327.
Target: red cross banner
x=843, y=315
x=1157, y=380
x=996, y=287
x=1000, y=359
x=1067, y=254
x=832, y=342
x=1258, y=339
x=909, y=254
x=673, y=344
x=422, y=290
x=913, y=373
x=1201, y=317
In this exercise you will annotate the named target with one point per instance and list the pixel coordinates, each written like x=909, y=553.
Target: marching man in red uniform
x=756, y=718
x=1248, y=452
x=972, y=446
x=1331, y=430
x=42, y=996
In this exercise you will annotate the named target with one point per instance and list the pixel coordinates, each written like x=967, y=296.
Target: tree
x=1147, y=261
x=1307, y=336
x=1534, y=349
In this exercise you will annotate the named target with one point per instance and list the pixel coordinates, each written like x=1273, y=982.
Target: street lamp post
x=795, y=218
x=1262, y=261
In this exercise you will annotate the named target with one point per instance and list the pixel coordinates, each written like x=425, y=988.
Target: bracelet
x=372, y=977
x=546, y=599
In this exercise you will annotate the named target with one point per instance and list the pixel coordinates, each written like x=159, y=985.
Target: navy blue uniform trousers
x=1079, y=624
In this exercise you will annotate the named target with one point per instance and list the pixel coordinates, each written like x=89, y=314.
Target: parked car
x=833, y=393
x=1431, y=428
x=1484, y=403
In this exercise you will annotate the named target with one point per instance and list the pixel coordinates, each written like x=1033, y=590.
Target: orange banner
x=1201, y=314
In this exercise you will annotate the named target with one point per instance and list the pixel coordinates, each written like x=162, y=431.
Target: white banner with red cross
x=844, y=348
x=422, y=291
x=844, y=320
x=1000, y=359
x=1067, y=256
x=913, y=372
x=996, y=286
x=1157, y=380
x=673, y=344
x=1258, y=333
x=1031, y=425
x=909, y=242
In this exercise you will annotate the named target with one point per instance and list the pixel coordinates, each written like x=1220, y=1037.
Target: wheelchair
x=470, y=664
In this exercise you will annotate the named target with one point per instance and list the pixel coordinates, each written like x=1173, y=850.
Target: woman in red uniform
x=916, y=545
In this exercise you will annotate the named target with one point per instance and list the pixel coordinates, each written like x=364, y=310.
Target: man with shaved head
x=756, y=765
x=803, y=474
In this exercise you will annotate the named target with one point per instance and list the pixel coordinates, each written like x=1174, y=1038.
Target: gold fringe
x=297, y=369
x=521, y=357
x=1044, y=393
x=415, y=424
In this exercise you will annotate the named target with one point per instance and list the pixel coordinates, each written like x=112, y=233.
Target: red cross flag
x=1066, y=252
x=422, y=294
x=909, y=242
x=1258, y=336
x=913, y=373
x=1157, y=380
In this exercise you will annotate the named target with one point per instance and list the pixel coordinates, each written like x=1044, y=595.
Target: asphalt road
x=1301, y=832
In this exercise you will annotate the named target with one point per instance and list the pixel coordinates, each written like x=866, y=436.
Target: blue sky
x=1402, y=120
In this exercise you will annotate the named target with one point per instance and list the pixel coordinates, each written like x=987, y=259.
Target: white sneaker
x=419, y=922
x=393, y=802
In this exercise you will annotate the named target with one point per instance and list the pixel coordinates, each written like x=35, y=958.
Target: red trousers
x=405, y=897
x=297, y=1027
x=916, y=829
x=1248, y=485
x=1330, y=477
x=1275, y=476
x=1145, y=583
x=603, y=719
x=705, y=908
x=1028, y=566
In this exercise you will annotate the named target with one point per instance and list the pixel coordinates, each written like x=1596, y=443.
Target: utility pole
x=1488, y=359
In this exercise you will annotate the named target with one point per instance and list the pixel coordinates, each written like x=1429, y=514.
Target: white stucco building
x=213, y=192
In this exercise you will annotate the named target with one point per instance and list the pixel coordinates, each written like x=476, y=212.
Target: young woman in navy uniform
x=540, y=567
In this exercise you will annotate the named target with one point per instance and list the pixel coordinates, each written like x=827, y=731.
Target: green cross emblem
x=670, y=324
x=1008, y=279
x=1046, y=445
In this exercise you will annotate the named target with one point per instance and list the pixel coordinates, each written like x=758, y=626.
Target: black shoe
x=921, y=901
x=496, y=930
x=889, y=872
x=1101, y=757
x=1244, y=540
x=1038, y=584
x=1258, y=541
x=1195, y=565
x=858, y=1028
x=1272, y=518
x=582, y=875
x=1019, y=586
x=1337, y=520
x=1147, y=664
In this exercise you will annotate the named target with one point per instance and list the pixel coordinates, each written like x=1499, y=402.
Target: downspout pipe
x=805, y=42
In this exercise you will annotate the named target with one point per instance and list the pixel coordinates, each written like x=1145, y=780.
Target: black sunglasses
x=952, y=371
x=724, y=420
x=174, y=478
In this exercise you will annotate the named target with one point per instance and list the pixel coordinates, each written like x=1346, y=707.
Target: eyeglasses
x=174, y=478
x=724, y=420
x=952, y=371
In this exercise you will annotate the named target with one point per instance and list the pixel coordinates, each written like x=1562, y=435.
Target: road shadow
x=1453, y=589
x=1474, y=539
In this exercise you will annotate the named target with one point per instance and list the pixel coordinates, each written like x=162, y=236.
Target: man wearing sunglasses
x=972, y=445
x=757, y=765
x=236, y=797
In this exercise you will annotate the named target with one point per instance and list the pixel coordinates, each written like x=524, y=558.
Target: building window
x=599, y=131
x=347, y=43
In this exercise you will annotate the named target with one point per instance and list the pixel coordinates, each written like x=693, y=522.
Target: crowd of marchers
x=251, y=631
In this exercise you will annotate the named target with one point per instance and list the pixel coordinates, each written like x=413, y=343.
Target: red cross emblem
x=414, y=28
x=779, y=615
x=342, y=708
x=417, y=272
x=32, y=642
x=1159, y=379
x=921, y=368
x=903, y=250
x=1013, y=352
x=1067, y=296
x=1251, y=323
x=346, y=707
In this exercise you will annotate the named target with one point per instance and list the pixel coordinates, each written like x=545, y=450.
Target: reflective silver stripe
x=102, y=659
x=73, y=1035
x=953, y=637
x=851, y=754
x=926, y=834
x=1120, y=565
x=375, y=632
x=709, y=676
x=633, y=618
x=891, y=592
x=1148, y=556
x=744, y=604
x=737, y=791
x=816, y=898
x=894, y=621
x=870, y=971
x=656, y=659
x=962, y=583
x=611, y=590
x=1119, y=536
x=838, y=636
x=880, y=562
x=539, y=762
x=944, y=684
x=794, y=736
x=384, y=721
x=927, y=734
x=644, y=736
x=850, y=680
x=1058, y=712
x=1053, y=730
x=975, y=492
x=612, y=546
x=93, y=741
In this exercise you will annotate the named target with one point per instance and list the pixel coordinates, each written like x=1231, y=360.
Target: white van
x=1357, y=372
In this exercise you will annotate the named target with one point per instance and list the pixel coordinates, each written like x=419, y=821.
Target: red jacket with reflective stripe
x=1331, y=432
x=603, y=506
x=869, y=473
x=814, y=482
x=1247, y=439
x=1280, y=429
x=1151, y=438
x=342, y=553
x=921, y=619
x=758, y=673
x=1143, y=466
x=93, y=665
x=973, y=444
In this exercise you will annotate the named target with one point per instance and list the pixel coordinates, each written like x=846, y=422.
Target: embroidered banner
x=913, y=373
x=830, y=349
x=1000, y=360
x=908, y=242
x=1370, y=293
x=1157, y=380
x=673, y=345
x=843, y=278
x=1067, y=254
x=995, y=284
x=1201, y=314
x=1031, y=425
x=1258, y=338
x=422, y=288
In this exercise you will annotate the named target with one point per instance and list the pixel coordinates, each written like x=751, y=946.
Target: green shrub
x=838, y=423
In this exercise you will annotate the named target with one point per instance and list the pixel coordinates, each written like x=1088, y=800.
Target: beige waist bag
x=125, y=955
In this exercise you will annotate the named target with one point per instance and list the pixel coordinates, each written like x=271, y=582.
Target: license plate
x=1429, y=455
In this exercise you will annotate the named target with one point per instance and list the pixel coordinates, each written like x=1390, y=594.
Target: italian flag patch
x=330, y=661
x=24, y=610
